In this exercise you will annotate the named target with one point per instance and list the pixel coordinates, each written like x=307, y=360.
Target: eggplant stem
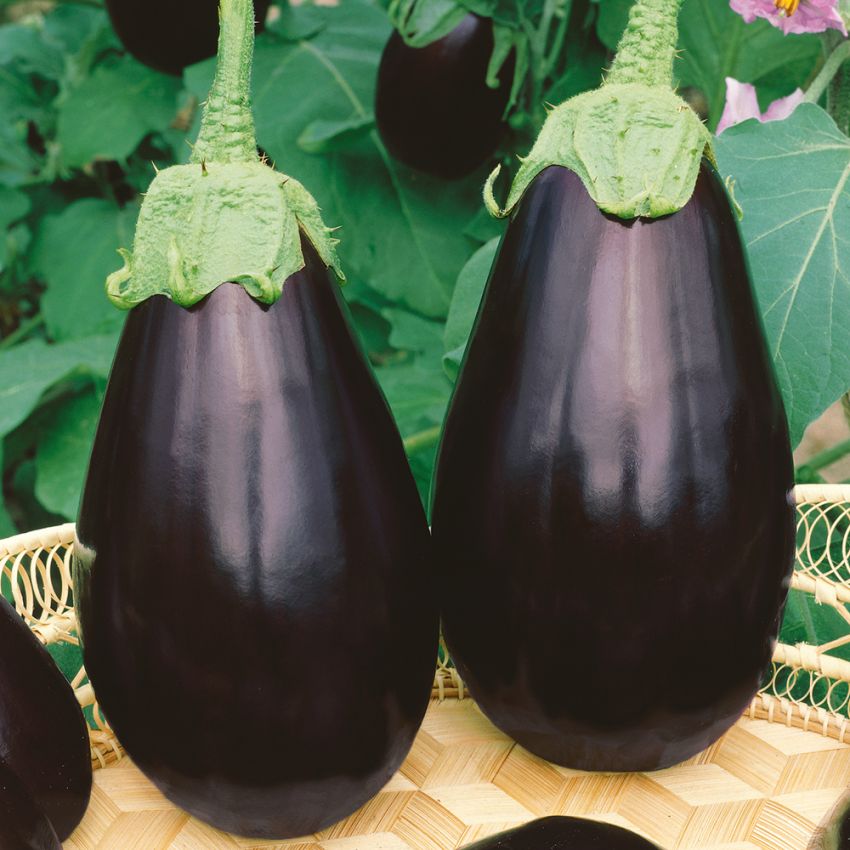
x=227, y=129
x=827, y=73
x=647, y=49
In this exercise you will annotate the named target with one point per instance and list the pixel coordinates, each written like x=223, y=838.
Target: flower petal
x=783, y=107
x=741, y=104
x=811, y=16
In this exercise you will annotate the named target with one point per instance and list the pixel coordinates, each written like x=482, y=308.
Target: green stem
x=422, y=439
x=838, y=98
x=647, y=49
x=826, y=74
x=828, y=456
x=23, y=330
x=227, y=129
x=558, y=41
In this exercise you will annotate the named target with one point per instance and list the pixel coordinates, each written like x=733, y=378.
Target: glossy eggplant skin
x=23, y=825
x=43, y=735
x=167, y=35
x=254, y=589
x=564, y=833
x=613, y=499
x=433, y=107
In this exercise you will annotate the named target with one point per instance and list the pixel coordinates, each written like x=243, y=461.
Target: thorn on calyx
x=204, y=167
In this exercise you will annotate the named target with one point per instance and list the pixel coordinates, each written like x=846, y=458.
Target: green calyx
x=226, y=216
x=636, y=145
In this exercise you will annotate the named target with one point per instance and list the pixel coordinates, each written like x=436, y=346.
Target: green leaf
x=23, y=45
x=467, y=297
x=806, y=621
x=63, y=452
x=428, y=21
x=401, y=232
x=111, y=111
x=715, y=43
x=326, y=136
x=295, y=23
x=72, y=27
x=413, y=333
x=74, y=252
x=418, y=393
x=13, y=206
x=29, y=369
x=611, y=20
x=483, y=227
x=792, y=179
x=19, y=104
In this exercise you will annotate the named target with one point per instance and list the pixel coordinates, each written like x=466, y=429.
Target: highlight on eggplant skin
x=565, y=833
x=433, y=107
x=169, y=36
x=44, y=738
x=253, y=576
x=23, y=825
x=613, y=501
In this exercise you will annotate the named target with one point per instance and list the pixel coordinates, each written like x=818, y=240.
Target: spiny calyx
x=205, y=224
x=636, y=148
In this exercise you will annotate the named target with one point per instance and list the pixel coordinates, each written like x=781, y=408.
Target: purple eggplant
x=257, y=608
x=43, y=735
x=168, y=36
x=433, y=107
x=563, y=833
x=23, y=825
x=613, y=516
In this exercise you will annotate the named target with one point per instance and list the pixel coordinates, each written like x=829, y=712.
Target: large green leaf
x=74, y=252
x=29, y=369
x=792, y=181
x=129, y=100
x=464, y=309
x=401, y=231
x=715, y=43
x=63, y=452
x=418, y=392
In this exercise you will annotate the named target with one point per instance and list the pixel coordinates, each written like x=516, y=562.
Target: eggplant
x=613, y=505
x=43, y=735
x=433, y=107
x=169, y=36
x=23, y=825
x=252, y=568
x=564, y=833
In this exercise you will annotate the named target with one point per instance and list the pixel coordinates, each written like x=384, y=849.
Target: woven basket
x=768, y=784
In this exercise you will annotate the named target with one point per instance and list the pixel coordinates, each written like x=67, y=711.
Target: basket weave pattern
x=765, y=786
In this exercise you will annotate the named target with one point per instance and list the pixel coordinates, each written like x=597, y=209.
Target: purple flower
x=742, y=103
x=793, y=15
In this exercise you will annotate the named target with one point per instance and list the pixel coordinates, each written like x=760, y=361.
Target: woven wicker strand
x=769, y=784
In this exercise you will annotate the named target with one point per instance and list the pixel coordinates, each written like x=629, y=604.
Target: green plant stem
x=826, y=74
x=23, y=330
x=828, y=456
x=545, y=49
x=227, y=128
x=647, y=49
x=558, y=40
x=422, y=439
x=838, y=98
